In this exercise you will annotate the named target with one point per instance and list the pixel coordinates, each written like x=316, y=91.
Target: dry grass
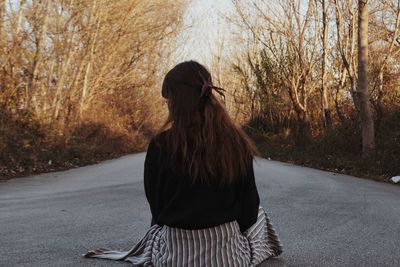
x=339, y=150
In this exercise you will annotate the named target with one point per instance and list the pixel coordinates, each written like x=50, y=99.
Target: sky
x=204, y=27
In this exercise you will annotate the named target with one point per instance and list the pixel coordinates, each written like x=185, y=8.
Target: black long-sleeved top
x=176, y=202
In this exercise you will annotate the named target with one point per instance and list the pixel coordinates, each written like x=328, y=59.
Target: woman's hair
x=202, y=137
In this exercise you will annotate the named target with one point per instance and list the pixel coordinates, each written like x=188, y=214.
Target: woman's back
x=178, y=202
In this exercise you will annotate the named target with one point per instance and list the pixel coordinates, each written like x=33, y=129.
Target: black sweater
x=175, y=202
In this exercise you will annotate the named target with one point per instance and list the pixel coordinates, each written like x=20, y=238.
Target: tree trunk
x=326, y=113
x=16, y=47
x=2, y=16
x=83, y=103
x=304, y=131
x=339, y=88
x=36, y=93
x=367, y=123
x=379, y=104
x=339, y=113
x=72, y=50
x=3, y=44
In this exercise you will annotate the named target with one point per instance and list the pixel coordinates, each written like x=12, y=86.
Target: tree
x=346, y=41
x=62, y=60
x=367, y=122
x=326, y=114
x=389, y=36
x=290, y=40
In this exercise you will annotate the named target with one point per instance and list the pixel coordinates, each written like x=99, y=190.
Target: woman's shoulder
x=158, y=140
x=160, y=137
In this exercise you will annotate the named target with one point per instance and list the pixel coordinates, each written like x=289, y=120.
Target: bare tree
x=291, y=41
x=346, y=41
x=389, y=32
x=326, y=114
x=62, y=59
x=367, y=122
x=3, y=46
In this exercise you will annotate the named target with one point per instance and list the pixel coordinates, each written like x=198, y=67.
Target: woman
x=199, y=182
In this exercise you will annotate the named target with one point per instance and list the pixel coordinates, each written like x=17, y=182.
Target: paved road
x=322, y=219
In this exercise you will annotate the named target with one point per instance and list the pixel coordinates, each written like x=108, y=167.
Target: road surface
x=322, y=218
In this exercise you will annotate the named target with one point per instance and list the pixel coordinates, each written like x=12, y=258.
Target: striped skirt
x=222, y=245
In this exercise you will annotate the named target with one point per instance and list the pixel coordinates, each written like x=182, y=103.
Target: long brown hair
x=202, y=137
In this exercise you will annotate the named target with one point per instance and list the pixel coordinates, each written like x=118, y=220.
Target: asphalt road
x=322, y=218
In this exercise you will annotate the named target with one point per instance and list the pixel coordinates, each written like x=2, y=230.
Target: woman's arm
x=250, y=200
x=151, y=179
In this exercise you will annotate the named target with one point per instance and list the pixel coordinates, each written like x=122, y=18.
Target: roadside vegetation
x=78, y=79
x=319, y=82
x=315, y=83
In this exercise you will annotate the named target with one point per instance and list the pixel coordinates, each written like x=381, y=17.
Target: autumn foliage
x=79, y=79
